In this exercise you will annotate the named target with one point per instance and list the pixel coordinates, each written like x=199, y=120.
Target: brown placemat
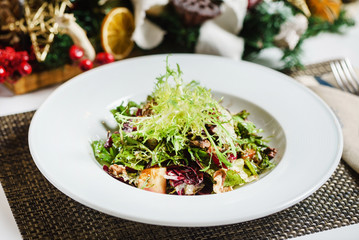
x=43, y=212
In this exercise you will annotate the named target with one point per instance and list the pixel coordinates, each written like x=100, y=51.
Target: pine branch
x=177, y=33
x=291, y=58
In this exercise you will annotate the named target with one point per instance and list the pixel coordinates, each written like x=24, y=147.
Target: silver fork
x=345, y=75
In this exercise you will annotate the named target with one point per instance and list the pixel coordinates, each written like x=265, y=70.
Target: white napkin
x=346, y=107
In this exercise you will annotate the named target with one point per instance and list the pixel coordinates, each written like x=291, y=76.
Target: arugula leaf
x=266, y=164
x=132, y=153
x=125, y=109
x=103, y=155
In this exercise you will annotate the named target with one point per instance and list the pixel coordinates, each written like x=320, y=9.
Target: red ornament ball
x=24, y=68
x=2, y=74
x=86, y=64
x=104, y=57
x=25, y=58
x=76, y=53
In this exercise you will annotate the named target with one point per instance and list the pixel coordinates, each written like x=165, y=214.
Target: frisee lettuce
x=180, y=110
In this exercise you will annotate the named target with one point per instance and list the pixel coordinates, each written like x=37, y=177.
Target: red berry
x=86, y=64
x=109, y=58
x=24, y=68
x=104, y=57
x=76, y=53
x=2, y=73
x=10, y=49
x=100, y=57
x=25, y=57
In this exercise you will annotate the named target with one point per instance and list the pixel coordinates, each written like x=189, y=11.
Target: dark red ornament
x=25, y=58
x=25, y=68
x=104, y=57
x=253, y=3
x=2, y=74
x=76, y=53
x=86, y=64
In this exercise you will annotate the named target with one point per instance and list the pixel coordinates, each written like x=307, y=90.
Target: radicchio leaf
x=181, y=177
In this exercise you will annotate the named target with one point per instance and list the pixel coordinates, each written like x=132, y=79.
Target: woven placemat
x=317, y=69
x=43, y=212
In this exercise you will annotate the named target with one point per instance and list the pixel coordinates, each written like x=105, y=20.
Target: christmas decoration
x=10, y=12
x=37, y=80
x=86, y=64
x=327, y=10
x=196, y=12
x=24, y=68
x=13, y=63
x=291, y=31
x=40, y=24
x=104, y=58
x=301, y=5
x=2, y=74
x=65, y=37
x=76, y=53
x=262, y=26
x=253, y=3
x=116, y=32
x=147, y=34
x=67, y=24
x=219, y=36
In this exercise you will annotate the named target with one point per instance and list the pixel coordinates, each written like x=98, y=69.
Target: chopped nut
x=116, y=170
x=201, y=143
x=212, y=129
x=147, y=109
x=271, y=152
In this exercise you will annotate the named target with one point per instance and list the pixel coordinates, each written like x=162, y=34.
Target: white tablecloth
x=321, y=48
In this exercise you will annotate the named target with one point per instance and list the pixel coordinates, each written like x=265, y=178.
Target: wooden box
x=39, y=80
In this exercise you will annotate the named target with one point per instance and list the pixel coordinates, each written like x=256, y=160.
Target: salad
x=182, y=141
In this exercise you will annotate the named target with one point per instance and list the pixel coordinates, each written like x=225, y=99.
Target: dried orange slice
x=116, y=32
x=328, y=10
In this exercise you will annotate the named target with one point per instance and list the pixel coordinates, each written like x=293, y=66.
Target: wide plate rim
x=182, y=223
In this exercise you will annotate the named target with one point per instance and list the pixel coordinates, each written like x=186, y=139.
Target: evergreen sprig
x=291, y=58
x=177, y=33
x=58, y=55
x=89, y=17
x=261, y=25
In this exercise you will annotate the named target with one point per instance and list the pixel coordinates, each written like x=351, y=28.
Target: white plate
x=306, y=133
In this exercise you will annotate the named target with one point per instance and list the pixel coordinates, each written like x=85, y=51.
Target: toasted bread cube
x=152, y=179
